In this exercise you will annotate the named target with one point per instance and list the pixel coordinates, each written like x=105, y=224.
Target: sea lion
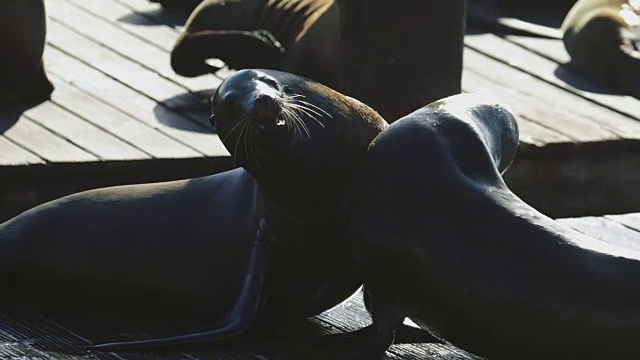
x=22, y=38
x=396, y=56
x=221, y=243
x=468, y=260
x=603, y=39
x=296, y=36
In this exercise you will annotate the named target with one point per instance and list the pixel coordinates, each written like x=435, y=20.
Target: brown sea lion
x=22, y=39
x=296, y=36
x=396, y=56
x=244, y=247
x=603, y=39
x=469, y=261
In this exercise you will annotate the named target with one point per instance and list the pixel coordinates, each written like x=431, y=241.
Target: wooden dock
x=120, y=115
x=49, y=332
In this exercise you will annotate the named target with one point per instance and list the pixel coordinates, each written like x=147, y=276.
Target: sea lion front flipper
x=237, y=48
x=239, y=318
x=368, y=343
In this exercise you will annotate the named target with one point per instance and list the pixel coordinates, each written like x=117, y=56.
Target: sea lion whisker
x=304, y=127
x=244, y=140
x=252, y=134
x=313, y=105
x=306, y=112
x=232, y=129
x=297, y=120
x=235, y=151
x=288, y=118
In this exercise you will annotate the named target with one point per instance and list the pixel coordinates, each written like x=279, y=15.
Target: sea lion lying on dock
x=603, y=39
x=296, y=36
x=470, y=262
x=220, y=243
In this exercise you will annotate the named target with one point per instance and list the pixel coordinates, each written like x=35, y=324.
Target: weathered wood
x=520, y=58
x=12, y=154
x=557, y=99
x=122, y=69
x=83, y=134
x=605, y=229
x=125, y=44
x=135, y=133
x=46, y=144
x=631, y=221
x=135, y=23
x=135, y=104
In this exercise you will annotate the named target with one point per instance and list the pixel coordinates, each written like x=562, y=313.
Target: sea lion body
x=247, y=246
x=296, y=36
x=396, y=56
x=603, y=39
x=22, y=39
x=468, y=260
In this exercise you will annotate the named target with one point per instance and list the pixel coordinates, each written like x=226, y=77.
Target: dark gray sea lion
x=396, y=56
x=22, y=38
x=247, y=246
x=603, y=39
x=296, y=36
x=468, y=260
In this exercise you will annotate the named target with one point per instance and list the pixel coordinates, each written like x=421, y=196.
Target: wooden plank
x=520, y=58
x=535, y=131
x=133, y=103
x=46, y=144
x=606, y=230
x=124, y=70
x=125, y=44
x=135, y=23
x=154, y=11
x=560, y=100
x=352, y=315
x=552, y=49
x=123, y=126
x=632, y=221
x=13, y=155
x=83, y=134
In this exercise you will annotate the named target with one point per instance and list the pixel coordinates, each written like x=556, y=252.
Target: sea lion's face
x=275, y=123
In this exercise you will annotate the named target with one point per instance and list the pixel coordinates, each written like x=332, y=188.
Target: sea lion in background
x=603, y=39
x=396, y=56
x=296, y=36
x=22, y=38
x=245, y=247
x=468, y=260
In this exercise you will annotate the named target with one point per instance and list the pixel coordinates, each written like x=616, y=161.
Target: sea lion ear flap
x=237, y=48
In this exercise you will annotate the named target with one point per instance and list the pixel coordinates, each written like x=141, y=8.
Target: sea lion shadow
x=572, y=78
x=194, y=106
x=145, y=18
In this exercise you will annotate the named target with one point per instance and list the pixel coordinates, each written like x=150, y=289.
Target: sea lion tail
x=239, y=49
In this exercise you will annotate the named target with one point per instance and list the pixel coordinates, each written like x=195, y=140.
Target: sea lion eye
x=269, y=81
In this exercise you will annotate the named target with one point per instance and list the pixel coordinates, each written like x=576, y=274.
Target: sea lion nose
x=264, y=108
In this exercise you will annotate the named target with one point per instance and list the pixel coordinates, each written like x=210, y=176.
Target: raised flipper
x=239, y=318
x=237, y=48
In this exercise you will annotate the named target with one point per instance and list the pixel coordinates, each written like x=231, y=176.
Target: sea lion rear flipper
x=239, y=318
x=238, y=49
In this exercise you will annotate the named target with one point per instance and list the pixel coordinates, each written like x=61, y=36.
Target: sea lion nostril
x=265, y=105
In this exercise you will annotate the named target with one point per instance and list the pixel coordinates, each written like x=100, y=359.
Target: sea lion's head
x=293, y=134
